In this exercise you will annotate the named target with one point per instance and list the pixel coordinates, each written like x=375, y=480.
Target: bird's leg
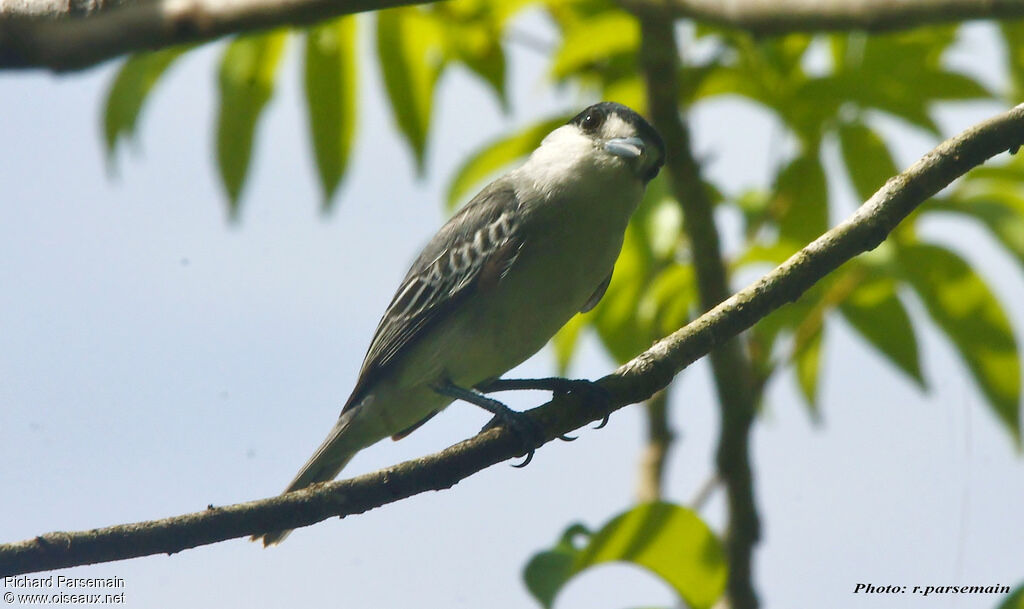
x=519, y=423
x=589, y=391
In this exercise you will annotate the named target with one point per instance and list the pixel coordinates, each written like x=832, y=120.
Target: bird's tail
x=325, y=464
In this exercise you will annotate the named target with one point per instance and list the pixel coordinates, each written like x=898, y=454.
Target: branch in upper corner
x=73, y=35
x=769, y=17
x=72, y=42
x=635, y=381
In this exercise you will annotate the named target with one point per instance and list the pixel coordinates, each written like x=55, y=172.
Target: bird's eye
x=593, y=120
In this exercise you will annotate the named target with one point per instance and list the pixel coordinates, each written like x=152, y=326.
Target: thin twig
x=703, y=494
x=660, y=436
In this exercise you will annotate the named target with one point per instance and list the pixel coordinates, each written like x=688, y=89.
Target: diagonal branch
x=635, y=381
x=772, y=17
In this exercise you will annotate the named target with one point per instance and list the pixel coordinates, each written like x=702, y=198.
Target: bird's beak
x=625, y=147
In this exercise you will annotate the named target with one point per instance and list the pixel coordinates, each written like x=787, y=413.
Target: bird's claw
x=526, y=461
x=588, y=391
x=528, y=431
x=526, y=428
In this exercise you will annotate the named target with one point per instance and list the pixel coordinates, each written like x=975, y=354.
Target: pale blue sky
x=154, y=360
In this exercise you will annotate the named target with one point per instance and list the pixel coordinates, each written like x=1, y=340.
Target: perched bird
x=531, y=250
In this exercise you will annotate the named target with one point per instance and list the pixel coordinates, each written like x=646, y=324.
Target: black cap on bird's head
x=624, y=133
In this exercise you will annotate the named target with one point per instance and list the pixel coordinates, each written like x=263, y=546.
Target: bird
x=498, y=280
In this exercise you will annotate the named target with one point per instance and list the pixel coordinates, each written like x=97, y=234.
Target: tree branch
x=70, y=42
x=730, y=364
x=635, y=381
x=650, y=479
x=64, y=35
x=771, y=17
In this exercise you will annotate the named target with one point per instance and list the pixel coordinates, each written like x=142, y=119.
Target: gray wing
x=472, y=251
x=597, y=295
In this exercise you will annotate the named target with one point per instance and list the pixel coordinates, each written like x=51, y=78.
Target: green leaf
x=808, y=367
x=1015, y=600
x=1003, y=215
x=594, y=40
x=691, y=80
x=1006, y=175
x=128, y=93
x=845, y=50
x=916, y=49
x=497, y=155
x=670, y=541
x=892, y=96
x=951, y=86
x=411, y=61
x=547, y=572
x=564, y=342
x=786, y=320
x=663, y=227
x=801, y=199
x=624, y=332
x=330, y=79
x=246, y=81
x=670, y=298
x=755, y=205
x=728, y=80
x=488, y=62
x=629, y=90
x=868, y=75
x=875, y=311
x=868, y=161
x=505, y=10
x=969, y=314
x=475, y=41
x=787, y=52
x=812, y=108
x=1013, y=36
x=765, y=256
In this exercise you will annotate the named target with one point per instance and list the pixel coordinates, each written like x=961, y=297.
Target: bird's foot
x=525, y=428
x=590, y=392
